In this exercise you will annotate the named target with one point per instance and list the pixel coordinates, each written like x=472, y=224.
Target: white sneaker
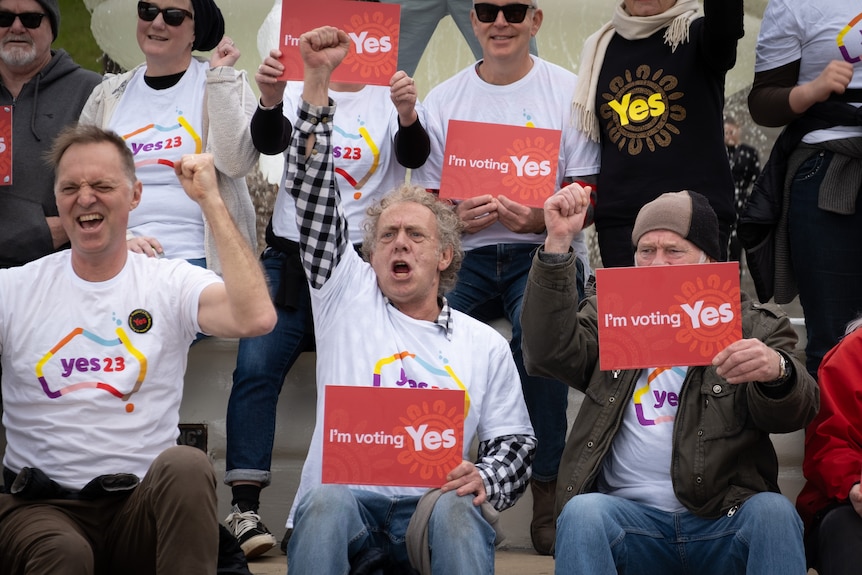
x=253, y=536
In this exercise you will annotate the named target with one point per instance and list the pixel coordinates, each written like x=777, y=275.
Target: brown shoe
x=543, y=529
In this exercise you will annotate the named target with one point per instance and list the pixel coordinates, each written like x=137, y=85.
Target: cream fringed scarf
x=677, y=19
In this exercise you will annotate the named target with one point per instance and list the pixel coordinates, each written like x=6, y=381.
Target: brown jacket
x=722, y=453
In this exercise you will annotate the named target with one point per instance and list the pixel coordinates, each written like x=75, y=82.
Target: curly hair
x=449, y=228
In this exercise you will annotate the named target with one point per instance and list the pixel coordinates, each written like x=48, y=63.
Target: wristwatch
x=783, y=373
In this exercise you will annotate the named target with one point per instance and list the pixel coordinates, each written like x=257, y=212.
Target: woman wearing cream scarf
x=651, y=91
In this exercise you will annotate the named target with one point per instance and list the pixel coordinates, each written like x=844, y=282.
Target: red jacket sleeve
x=833, y=441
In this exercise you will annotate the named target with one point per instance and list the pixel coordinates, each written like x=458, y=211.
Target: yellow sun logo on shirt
x=641, y=110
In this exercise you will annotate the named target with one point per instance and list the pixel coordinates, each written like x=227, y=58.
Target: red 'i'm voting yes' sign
x=518, y=162
x=667, y=315
x=5, y=145
x=392, y=436
x=373, y=29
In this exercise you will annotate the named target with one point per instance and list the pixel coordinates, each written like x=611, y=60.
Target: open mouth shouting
x=90, y=221
x=400, y=269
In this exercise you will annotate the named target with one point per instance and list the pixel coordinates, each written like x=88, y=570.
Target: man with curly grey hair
x=449, y=229
x=385, y=323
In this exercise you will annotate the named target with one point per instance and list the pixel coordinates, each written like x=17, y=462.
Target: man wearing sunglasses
x=48, y=90
x=510, y=86
x=419, y=20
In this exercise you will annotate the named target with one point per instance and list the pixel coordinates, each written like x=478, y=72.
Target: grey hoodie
x=49, y=102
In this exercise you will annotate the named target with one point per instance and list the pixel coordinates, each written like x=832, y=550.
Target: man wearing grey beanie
x=668, y=469
x=46, y=90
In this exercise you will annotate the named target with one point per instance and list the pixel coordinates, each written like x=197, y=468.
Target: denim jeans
x=826, y=253
x=334, y=523
x=601, y=534
x=491, y=285
x=261, y=365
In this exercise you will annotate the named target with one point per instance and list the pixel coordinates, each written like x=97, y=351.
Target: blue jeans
x=334, y=523
x=826, y=252
x=601, y=534
x=491, y=285
x=261, y=365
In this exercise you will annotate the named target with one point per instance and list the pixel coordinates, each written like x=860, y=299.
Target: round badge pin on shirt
x=140, y=321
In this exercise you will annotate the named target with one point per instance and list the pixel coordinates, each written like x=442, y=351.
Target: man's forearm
x=247, y=293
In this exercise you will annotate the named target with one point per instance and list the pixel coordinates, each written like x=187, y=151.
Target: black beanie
x=52, y=9
x=685, y=213
x=209, y=25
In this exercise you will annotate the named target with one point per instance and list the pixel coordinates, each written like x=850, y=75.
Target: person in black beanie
x=209, y=25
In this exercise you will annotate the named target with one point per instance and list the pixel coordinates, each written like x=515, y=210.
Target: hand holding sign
x=268, y=82
x=747, y=360
x=519, y=218
x=402, y=91
x=477, y=213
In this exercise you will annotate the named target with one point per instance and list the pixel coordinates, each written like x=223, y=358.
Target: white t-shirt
x=814, y=32
x=541, y=99
x=363, y=152
x=93, y=372
x=638, y=465
x=367, y=342
x=160, y=126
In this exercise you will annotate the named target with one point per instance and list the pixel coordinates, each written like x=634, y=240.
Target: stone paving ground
x=508, y=562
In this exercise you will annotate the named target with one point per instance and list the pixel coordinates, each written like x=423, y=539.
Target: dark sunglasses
x=513, y=13
x=31, y=20
x=172, y=16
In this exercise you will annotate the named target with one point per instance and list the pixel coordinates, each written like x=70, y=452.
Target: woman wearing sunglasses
x=175, y=104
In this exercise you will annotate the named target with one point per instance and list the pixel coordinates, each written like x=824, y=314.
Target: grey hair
x=449, y=228
x=853, y=325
